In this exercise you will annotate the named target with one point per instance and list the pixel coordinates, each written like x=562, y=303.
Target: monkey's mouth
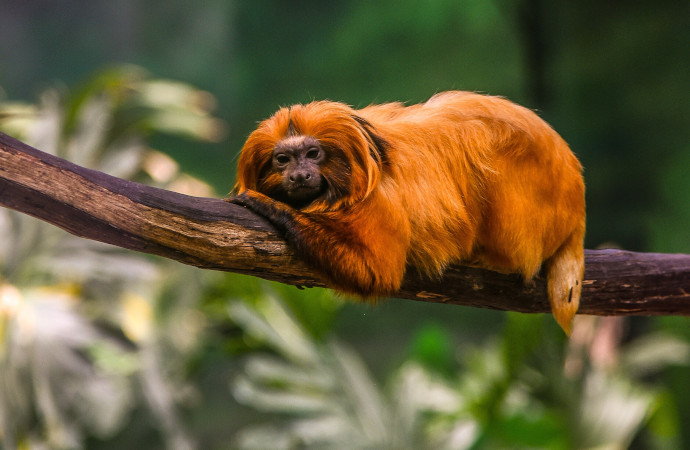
x=302, y=194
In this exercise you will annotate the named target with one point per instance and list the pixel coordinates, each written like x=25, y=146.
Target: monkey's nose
x=300, y=177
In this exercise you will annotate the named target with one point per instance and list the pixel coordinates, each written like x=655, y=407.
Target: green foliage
x=505, y=395
x=522, y=336
x=81, y=323
x=668, y=226
x=433, y=348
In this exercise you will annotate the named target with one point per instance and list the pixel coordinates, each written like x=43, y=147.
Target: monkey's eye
x=313, y=153
x=282, y=159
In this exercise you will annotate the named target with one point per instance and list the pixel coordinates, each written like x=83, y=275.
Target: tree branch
x=213, y=234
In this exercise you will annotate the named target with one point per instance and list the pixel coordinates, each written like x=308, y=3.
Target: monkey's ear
x=378, y=146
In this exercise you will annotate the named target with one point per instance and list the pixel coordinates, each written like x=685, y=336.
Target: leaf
x=270, y=322
x=652, y=353
x=612, y=411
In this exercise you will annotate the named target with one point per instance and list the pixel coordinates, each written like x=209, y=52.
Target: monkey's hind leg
x=564, y=274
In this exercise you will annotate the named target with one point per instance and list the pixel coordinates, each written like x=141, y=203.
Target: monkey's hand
x=248, y=199
x=295, y=226
x=279, y=214
x=362, y=254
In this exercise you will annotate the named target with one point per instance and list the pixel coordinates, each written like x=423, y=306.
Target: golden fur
x=461, y=178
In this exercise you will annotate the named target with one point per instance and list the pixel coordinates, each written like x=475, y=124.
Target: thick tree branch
x=214, y=234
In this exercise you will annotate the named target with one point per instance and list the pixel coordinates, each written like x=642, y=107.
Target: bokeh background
x=101, y=348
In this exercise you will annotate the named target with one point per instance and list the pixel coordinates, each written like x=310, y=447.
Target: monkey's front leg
x=358, y=252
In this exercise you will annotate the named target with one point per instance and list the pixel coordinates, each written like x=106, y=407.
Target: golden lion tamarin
x=363, y=194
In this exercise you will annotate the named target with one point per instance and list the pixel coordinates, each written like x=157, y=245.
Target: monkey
x=362, y=195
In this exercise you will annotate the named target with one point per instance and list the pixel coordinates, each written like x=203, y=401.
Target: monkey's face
x=315, y=157
x=298, y=160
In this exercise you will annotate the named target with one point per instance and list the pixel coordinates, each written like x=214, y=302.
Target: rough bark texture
x=214, y=234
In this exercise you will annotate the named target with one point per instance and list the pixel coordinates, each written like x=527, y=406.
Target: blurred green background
x=211, y=368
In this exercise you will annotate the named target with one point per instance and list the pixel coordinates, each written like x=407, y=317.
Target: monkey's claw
x=240, y=199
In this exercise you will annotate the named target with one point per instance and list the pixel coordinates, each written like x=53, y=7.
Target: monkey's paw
x=256, y=201
x=277, y=213
x=242, y=199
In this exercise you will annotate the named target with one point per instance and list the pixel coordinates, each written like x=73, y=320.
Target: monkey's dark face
x=298, y=160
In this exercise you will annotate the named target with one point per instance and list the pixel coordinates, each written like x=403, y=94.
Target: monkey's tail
x=564, y=274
